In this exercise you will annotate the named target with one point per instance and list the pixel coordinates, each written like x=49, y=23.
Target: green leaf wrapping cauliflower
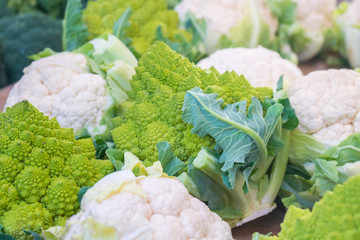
x=42, y=168
x=336, y=217
x=153, y=112
x=141, y=24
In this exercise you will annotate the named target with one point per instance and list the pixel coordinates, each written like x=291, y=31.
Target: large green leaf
x=242, y=134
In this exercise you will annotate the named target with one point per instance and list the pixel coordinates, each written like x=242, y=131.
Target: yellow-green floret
x=146, y=16
x=61, y=196
x=31, y=217
x=42, y=168
x=8, y=196
x=335, y=217
x=153, y=112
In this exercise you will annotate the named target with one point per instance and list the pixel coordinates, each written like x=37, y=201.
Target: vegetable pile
x=167, y=119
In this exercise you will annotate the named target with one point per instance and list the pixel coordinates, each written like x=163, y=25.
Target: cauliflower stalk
x=325, y=149
x=155, y=206
x=82, y=89
x=333, y=217
x=260, y=66
x=42, y=168
x=168, y=92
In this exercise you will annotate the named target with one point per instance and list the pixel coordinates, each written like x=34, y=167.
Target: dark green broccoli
x=22, y=36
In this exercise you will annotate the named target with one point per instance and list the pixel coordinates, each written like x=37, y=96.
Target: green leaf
x=82, y=192
x=75, y=32
x=44, y=53
x=34, y=235
x=116, y=157
x=82, y=134
x=348, y=151
x=241, y=134
x=121, y=25
x=171, y=164
x=100, y=147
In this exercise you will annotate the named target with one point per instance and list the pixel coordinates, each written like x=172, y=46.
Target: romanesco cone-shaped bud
x=336, y=216
x=38, y=158
x=79, y=168
x=61, y=197
x=8, y=196
x=29, y=216
x=84, y=146
x=56, y=166
x=40, y=174
x=153, y=112
x=9, y=168
x=102, y=167
x=146, y=16
x=31, y=183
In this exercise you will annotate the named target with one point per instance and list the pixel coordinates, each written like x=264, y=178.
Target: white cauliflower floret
x=221, y=16
x=122, y=206
x=61, y=86
x=327, y=104
x=260, y=66
x=315, y=15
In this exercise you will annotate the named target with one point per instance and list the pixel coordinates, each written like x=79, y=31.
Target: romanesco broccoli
x=42, y=168
x=26, y=216
x=335, y=216
x=141, y=25
x=153, y=112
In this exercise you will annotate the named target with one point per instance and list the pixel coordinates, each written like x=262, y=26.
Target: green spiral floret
x=27, y=136
x=9, y=168
x=18, y=149
x=31, y=183
x=38, y=158
x=155, y=132
x=31, y=217
x=4, y=142
x=84, y=146
x=61, y=197
x=56, y=166
x=8, y=196
x=80, y=169
x=102, y=167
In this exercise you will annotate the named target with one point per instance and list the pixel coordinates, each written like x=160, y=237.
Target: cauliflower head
x=228, y=18
x=122, y=206
x=260, y=66
x=327, y=104
x=61, y=86
x=42, y=168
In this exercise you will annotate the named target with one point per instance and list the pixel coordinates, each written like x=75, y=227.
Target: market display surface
x=179, y=119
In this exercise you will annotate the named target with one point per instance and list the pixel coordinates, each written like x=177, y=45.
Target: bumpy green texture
x=335, y=217
x=146, y=16
x=42, y=168
x=153, y=112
